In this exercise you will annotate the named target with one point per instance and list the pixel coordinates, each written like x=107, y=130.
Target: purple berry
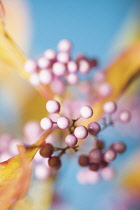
x=83, y=160
x=94, y=166
x=53, y=106
x=125, y=116
x=63, y=122
x=46, y=150
x=94, y=128
x=30, y=66
x=46, y=123
x=71, y=140
x=43, y=63
x=81, y=132
x=118, y=147
x=95, y=156
x=50, y=54
x=45, y=76
x=72, y=78
x=59, y=69
x=110, y=107
x=54, y=162
x=72, y=66
x=63, y=57
x=86, y=111
x=64, y=45
x=84, y=67
x=109, y=155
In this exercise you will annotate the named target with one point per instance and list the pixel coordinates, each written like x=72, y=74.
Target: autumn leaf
x=15, y=174
x=119, y=75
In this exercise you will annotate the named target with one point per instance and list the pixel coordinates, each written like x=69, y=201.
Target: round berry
x=110, y=107
x=34, y=79
x=30, y=66
x=104, y=89
x=50, y=54
x=95, y=156
x=84, y=67
x=83, y=160
x=72, y=67
x=81, y=132
x=118, y=147
x=54, y=162
x=86, y=112
x=46, y=123
x=46, y=150
x=43, y=63
x=63, y=122
x=63, y=57
x=94, y=128
x=125, y=116
x=59, y=69
x=94, y=166
x=71, y=140
x=72, y=78
x=45, y=76
x=109, y=155
x=64, y=45
x=53, y=106
x=57, y=85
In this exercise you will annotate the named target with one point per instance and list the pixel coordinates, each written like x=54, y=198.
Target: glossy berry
x=71, y=140
x=34, y=79
x=53, y=106
x=125, y=116
x=63, y=57
x=43, y=63
x=30, y=66
x=64, y=45
x=59, y=69
x=109, y=155
x=110, y=107
x=86, y=112
x=118, y=147
x=83, y=160
x=63, y=122
x=45, y=76
x=72, y=78
x=94, y=128
x=72, y=67
x=94, y=166
x=50, y=54
x=81, y=132
x=46, y=150
x=84, y=67
x=95, y=156
x=54, y=162
x=46, y=123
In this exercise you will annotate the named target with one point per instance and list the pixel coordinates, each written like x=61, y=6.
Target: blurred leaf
x=15, y=174
x=119, y=75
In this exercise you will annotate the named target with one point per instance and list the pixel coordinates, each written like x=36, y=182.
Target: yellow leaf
x=15, y=174
x=119, y=75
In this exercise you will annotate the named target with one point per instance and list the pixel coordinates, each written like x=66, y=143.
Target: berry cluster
x=58, y=69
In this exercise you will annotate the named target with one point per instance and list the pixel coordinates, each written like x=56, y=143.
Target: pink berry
x=50, y=54
x=72, y=78
x=71, y=140
x=94, y=128
x=81, y=132
x=72, y=66
x=107, y=173
x=110, y=107
x=63, y=57
x=64, y=45
x=59, y=69
x=95, y=156
x=45, y=76
x=53, y=106
x=86, y=111
x=63, y=122
x=30, y=66
x=34, y=79
x=46, y=123
x=43, y=63
x=99, y=76
x=104, y=89
x=57, y=86
x=84, y=67
x=118, y=147
x=109, y=155
x=125, y=116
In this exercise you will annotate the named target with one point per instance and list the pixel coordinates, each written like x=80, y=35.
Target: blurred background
x=102, y=29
